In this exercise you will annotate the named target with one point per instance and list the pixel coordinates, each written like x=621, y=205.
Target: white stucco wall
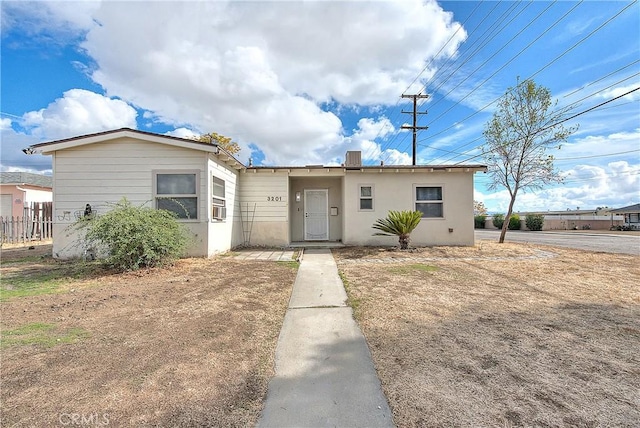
x=395, y=191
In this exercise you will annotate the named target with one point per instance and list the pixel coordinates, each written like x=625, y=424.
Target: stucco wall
x=395, y=191
x=299, y=184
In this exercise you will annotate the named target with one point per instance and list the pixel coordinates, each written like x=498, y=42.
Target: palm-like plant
x=400, y=224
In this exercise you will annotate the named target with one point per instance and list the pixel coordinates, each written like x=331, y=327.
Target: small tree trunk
x=507, y=217
x=404, y=242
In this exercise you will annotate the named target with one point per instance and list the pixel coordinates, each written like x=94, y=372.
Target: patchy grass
x=494, y=337
x=291, y=264
x=40, y=334
x=191, y=345
x=23, y=277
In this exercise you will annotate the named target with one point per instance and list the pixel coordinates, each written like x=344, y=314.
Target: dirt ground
x=191, y=345
x=501, y=335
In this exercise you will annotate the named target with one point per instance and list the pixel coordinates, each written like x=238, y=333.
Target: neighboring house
x=230, y=204
x=18, y=190
x=631, y=216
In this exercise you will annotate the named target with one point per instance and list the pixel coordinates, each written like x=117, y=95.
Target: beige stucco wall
x=296, y=210
x=395, y=191
x=102, y=173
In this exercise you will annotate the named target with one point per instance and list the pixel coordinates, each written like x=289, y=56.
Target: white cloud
x=58, y=24
x=5, y=123
x=257, y=71
x=363, y=139
x=585, y=186
x=79, y=112
x=620, y=90
x=600, y=148
x=13, y=159
x=183, y=133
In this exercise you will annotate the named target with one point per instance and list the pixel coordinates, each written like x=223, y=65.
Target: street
x=608, y=243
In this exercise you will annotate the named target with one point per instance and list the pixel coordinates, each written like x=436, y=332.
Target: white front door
x=316, y=215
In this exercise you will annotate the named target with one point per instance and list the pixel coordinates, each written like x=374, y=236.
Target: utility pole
x=415, y=126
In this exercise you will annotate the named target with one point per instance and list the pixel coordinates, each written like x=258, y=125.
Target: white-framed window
x=365, y=197
x=218, y=199
x=428, y=200
x=177, y=191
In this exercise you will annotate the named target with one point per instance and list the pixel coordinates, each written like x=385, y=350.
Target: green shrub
x=498, y=220
x=400, y=224
x=133, y=237
x=534, y=221
x=514, y=222
x=479, y=221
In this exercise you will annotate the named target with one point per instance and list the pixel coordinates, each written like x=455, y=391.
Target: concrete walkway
x=324, y=373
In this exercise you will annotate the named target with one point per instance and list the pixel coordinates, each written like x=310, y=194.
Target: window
x=177, y=192
x=429, y=201
x=219, y=203
x=366, y=197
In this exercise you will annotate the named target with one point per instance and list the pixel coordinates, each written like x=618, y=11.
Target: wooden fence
x=35, y=225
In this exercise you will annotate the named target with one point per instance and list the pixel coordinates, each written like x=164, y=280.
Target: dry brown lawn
x=191, y=345
x=501, y=335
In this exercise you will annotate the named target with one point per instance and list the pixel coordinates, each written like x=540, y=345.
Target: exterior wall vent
x=353, y=159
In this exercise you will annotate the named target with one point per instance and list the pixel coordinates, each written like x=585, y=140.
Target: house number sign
x=274, y=198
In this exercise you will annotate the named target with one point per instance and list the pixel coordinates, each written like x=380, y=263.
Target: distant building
x=601, y=218
x=631, y=216
x=19, y=189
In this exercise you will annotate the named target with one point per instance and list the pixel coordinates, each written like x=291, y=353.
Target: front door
x=316, y=215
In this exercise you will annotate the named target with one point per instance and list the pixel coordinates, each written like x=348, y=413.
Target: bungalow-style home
x=631, y=216
x=226, y=204
x=18, y=190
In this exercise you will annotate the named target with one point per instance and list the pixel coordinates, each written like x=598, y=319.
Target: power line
x=584, y=38
x=566, y=119
x=537, y=72
x=447, y=61
x=597, y=156
x=512, y=39
x=442, y=48
x=507, y=63
x=602, y=78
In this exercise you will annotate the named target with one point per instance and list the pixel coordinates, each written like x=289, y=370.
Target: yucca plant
x=400, y=224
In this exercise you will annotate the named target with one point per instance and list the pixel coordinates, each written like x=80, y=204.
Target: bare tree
x=523, y=127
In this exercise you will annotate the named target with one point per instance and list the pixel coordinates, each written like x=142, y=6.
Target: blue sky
x=298, y=83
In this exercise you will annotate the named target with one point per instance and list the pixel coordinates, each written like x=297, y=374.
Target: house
x=227, y=204
x=18, y=190
x=631, y=216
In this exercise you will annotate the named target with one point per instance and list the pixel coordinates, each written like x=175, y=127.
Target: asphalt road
x=583, y=241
